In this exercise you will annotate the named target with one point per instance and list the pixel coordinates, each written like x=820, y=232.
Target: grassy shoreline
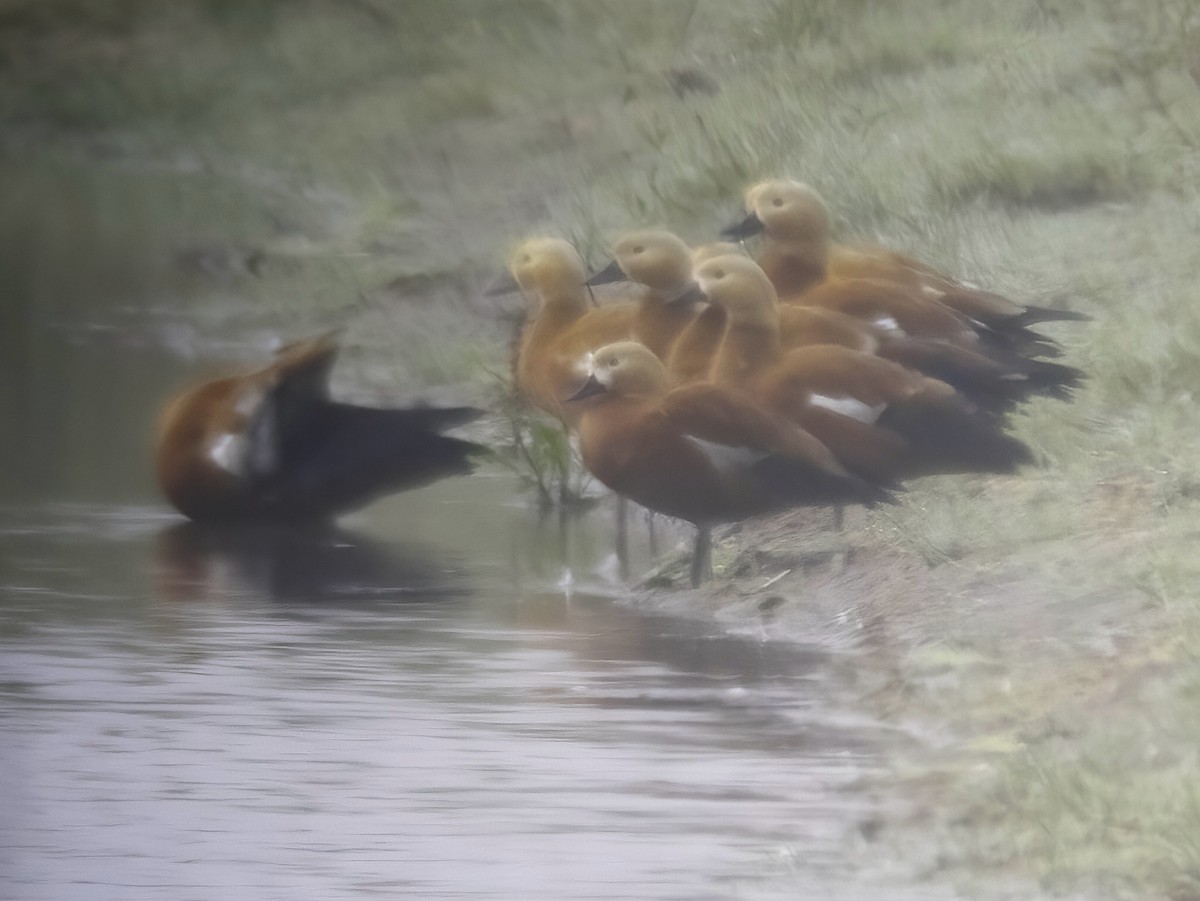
x=382, y=163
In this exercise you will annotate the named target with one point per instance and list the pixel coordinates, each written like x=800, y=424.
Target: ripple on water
x=478, y=742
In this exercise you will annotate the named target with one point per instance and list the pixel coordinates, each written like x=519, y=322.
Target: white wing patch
x=248, y=402
x=889, y=323
x=848, y=406
x=228, y=451
x=585, y=365
x=726, y=457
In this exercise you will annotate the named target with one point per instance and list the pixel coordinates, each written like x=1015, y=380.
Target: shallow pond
x=350, y=716
x=441, y=699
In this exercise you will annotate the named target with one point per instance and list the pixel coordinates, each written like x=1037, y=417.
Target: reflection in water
x=498, y=744
x=318, y=563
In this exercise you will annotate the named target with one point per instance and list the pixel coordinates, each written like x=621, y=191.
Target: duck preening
x=271, y=445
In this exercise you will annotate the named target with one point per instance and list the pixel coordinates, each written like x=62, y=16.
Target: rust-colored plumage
x=700, y=452
x=271, y=444
x=978, y=341
x=564, y=325
x=672, y=319
x=883, y=421
x=799, y=255
x=660, y=264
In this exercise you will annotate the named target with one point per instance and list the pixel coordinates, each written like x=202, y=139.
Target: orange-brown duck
x=798, y=254
x=271, y=445
x=883, y=421
x=564, y=325
x=668, y=300
x=700, y=452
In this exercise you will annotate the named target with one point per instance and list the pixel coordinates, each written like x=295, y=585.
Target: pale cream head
x=655, y=258
x=736, y=283
x=547, y=266
x=790, y=211
x=627, y=369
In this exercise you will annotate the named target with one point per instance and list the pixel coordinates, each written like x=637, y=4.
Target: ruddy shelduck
x=990, y=354
x=883, y=421
x=668, y=300
x=671, y=319
x=699, y=452
x=270, y=445
x=564, y=324
x=877, y=317
x=799, y=254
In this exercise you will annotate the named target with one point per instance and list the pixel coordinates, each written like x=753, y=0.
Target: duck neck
x=557, y=310
x=692, y=353
x=749, y=344
x=794, y=266
x=663, y=316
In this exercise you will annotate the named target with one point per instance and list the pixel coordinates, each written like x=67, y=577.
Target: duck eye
x=526, y=258
x=718, y=273
x=778, y=201
x=638, y=249
x=612, y=362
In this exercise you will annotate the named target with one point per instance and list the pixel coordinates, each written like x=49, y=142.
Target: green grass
x=1106, y=802
x=383, y=155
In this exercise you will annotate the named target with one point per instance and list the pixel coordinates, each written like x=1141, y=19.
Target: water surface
x=439, y=699
x=349, y=715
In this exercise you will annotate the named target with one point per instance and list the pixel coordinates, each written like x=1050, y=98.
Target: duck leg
x=702, y=556
x=564, y=470
x=622, y=515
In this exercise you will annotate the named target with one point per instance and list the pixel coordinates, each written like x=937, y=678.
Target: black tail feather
x=801, y=484
x=1018, y=343
x=949, y=436
x=342, y=456
x=994, y=382
x=438, y=418
x=1034, y=315
x=1052, y=379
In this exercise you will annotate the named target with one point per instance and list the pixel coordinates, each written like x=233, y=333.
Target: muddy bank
x=1029, y=698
